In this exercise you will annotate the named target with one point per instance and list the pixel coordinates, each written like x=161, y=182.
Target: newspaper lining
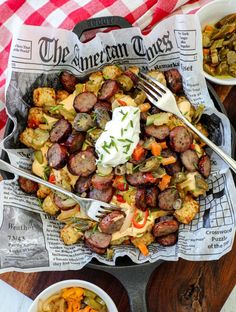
x=30, y=238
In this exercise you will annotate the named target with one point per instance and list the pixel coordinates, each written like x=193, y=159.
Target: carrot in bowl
x=164, y=182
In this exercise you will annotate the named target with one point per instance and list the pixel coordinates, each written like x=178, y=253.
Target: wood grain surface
x=182, y=286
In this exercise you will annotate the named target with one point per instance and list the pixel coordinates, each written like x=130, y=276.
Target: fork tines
x=106, y=210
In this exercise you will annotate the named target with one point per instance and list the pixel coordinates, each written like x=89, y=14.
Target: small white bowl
x=210, y=14
x=73, y=283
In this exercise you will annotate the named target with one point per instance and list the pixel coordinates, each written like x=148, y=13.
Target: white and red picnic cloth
x=66, y=13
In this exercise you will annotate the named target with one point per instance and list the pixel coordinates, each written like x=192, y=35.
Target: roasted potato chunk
x=61, y=95
x=49, y=206
x=43, y=191
x=34, y=138
x=188, y=210
x=146, y=239
x=159, y=76
x=70, y=235
x=111, y=72
x=44, y=97
x=35, y=117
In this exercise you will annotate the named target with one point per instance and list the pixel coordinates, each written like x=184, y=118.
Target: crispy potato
x=44, y=96
x=159, y=76
x=70, y=235
x=111, y=72
x=49, y=206
x=146, y=239
x=34, y=138
x=43, y=191
x=61, y=95
x=35, y=117
x=188, y=211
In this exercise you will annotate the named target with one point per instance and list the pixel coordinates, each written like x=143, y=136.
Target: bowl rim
x=55, y=287
x=222, y=81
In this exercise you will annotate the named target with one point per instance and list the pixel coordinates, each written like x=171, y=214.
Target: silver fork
x=164, y=99
x=94, y=209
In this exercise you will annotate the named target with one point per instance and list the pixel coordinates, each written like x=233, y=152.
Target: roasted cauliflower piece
x=34, y=138
x=111, y=72
x=44, y=97
x=146, y=239
x=188, y=210
x=49, y=206
x=43, y=191
x=159, y=76
x=70, y=235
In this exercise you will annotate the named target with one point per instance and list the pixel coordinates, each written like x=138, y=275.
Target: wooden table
x=181, y=286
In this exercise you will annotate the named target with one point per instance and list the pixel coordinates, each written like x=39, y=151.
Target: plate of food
x=217, y=20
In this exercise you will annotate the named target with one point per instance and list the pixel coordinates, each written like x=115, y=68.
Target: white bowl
x=73, y=283
x=210, y=14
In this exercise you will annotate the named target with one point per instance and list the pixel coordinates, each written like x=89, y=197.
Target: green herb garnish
x=57, y=107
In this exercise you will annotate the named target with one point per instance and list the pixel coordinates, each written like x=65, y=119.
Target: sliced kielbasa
x=102, y=182
x=180, y=139
x=175, y=167
x=99, y=251
x=140, y=178
x=60, y=203
x=112, y=222
x=57, y=156
x=84, y=102
x=151, y=196
x=68, y=81
x=158, y=132
x=168, y=240
x=102, y=195
x=165, y=227
x=82, y=163
x=204, y=166
x=132, y=76
x=103, y=104
x=60, y=131
x=189, y=159
x=167, y=198
x=140, y=198
x=83, y=184
x=74, y=142
x=174, y=80
x=97, y=239
x=28, y=186
x=109, y=88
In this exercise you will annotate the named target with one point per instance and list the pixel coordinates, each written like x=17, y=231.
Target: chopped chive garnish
x=130, y=141
x=111, y=136
x=125, y=130
x=121, y=140
x=102, y=156
x=136, y=111
x=114, y=144
x=122, y=113
x=91, y=129
x=131, y=123
x=127, y=158
x=54, y=108
x=125, y=115
x=105, y=149
x=122, y=131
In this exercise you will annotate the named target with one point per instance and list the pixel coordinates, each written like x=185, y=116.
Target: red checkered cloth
x=66, y=13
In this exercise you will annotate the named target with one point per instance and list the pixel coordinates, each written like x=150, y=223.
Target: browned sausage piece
x=97, y=239
x=102, y=182
x=139, y=178
x=59, y=203
x=84, y=102
x=82, y=184
x=204, y=166
x=151, y=196
x=189, y=159
x=57, y=156
x=175, y=167
x=174, y=80
x=99, y=251
x=60, y=131
x=112, y=222
x=103, y=104
x=68, y=81
x=104, y=195
x=27, y=185
x=168, y=240
x=140, y=198
x=167, y=198
x=158, y=132
x=82, y=163
x=74, y=142
x=109, y=88
x=132, y=76
x=180, y=139
x=165, y=227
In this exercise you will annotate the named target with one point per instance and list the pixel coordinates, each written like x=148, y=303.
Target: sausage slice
x=74, y=142
x=140, y=199
x=60, y=131
x=112, y=222
x=158, y=132
x=84, y=102
x=180, y=139
x=102, y=182
x=165, y=227
x=57, y=156
x=151, y=196
x=82, y=163
x=189, y=159
x=59, y=203
x=82, y=184
x=204, y=166
x=28, y=186
x=168, y=240
x=175, y=167
x=167, y=198
x=103, y=104
x=174, y=80
x=103, y=195
x=109, y=88
x=97, y=239
x=68, y=81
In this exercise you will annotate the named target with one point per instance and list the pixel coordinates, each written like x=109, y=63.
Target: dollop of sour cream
x=120, y=137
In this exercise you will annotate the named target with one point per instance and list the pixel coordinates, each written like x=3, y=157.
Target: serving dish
x=55, y=288
x=134, y=277
x=209, y=15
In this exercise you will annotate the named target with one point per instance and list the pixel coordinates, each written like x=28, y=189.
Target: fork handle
x=23, y=173
x=229, y=160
